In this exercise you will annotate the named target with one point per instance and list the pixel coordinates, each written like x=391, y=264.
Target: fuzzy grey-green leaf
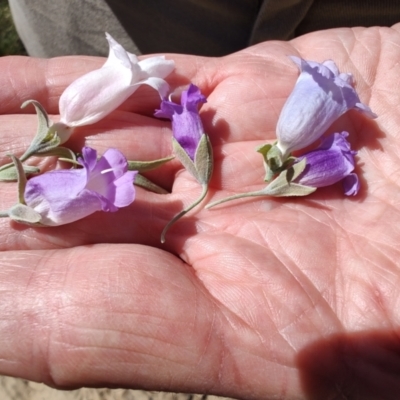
x=147, y=184
x=60, y=152
x=24, y=214
x=203, y=159
x=9, y=173
x=184, y=159
x=295, y=170
x=282, y=186
x=21, y=178
x=294, y=189
x=264, y=149
x=143, y=166
x=42, y=133
x=273, y=162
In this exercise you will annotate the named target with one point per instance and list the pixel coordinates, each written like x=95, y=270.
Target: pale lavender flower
x=187, y=127
x=65, y=196
x=331, y=162
x=94, y=95
x=321, y=95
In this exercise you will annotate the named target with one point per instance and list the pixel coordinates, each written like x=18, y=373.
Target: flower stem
x=237, y=196
x=183, y=212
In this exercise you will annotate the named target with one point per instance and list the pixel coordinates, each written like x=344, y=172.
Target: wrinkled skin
x=255, y=299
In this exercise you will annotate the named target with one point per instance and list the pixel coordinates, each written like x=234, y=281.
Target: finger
x=25, y=78
x=109, y=315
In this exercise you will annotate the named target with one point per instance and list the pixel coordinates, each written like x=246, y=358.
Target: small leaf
x=203, y=159
x=60, y=152
x=273, y=162
x=264, y=149
x=269, y=174
x=24, y=214
x=274, y=153
x=295, y=170
x=43, y=118
x=43, y=133
x=21, y=178
x=294, y=189
x=282, y=187
x=10, y=172
x=46, y=137
x=45, y=147
x=184, y=159
x=144, y=166
x=147, y=184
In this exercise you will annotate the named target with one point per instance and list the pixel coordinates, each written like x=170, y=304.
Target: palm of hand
x=254, y=298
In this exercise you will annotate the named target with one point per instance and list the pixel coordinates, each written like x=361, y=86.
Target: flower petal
x=110, y=167
x=124, y=189
x=157, y=84
x=187, y=127
x=192, y=97
x=114, y=159
x=56, y=184
x=94, y=95
x=351, y=185
x=61, y=213
x=321, y=95
x=118, y=55
x=156, y=66
x=89, y=158
x=168, y=109
x=330, y=163
x=61, y=197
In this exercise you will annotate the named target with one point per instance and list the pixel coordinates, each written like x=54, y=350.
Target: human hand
x=259, y=298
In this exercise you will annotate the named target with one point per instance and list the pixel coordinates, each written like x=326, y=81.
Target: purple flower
x=331, y=162
x=321, y=95
x=65, y=196
x=186, y=123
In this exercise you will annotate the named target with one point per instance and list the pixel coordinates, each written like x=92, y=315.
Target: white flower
x=96, y=94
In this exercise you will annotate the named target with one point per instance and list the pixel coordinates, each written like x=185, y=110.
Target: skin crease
x=254, y=299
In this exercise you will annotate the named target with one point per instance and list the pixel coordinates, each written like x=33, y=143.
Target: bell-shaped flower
x=331, y=162
x=187, y=127
x=191, y=145
x=321, y=95
x=96, y=94
x=65, y=196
